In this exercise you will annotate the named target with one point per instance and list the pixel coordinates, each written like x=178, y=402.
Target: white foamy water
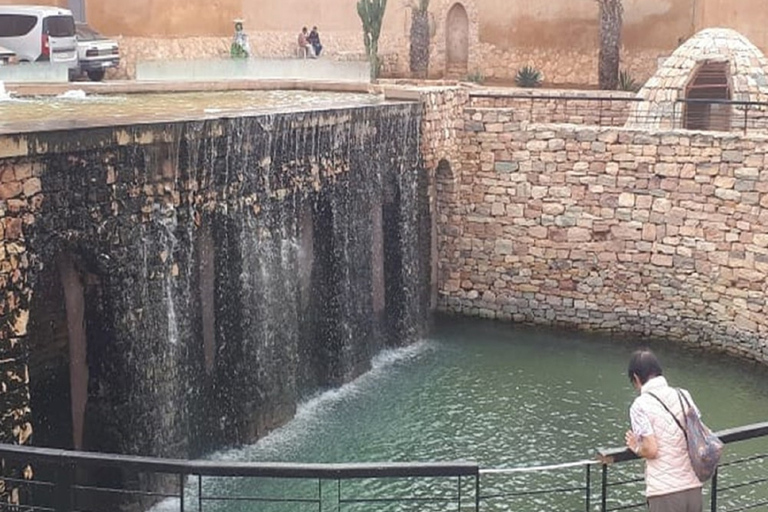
x=4, y=95
x=311, y=411
x=323, y=403
x=73, y=94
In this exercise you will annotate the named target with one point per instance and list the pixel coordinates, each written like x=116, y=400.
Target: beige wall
x=573, y=23
x=160, y=18
x=750, y=17
x=656, y=24
x=146, y=18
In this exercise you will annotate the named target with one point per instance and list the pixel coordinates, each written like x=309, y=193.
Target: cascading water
x=238, y=266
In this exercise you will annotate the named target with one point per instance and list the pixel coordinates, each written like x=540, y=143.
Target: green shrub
x=476, y=77
x=528, y=76
x=627, y=82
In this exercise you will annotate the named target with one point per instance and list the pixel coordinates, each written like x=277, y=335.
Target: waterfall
x=253, y=262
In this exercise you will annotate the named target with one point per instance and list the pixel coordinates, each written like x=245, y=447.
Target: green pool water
x=505, y=397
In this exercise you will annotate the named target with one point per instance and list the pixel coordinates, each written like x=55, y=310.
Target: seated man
x=305, y=48
x=314, y=40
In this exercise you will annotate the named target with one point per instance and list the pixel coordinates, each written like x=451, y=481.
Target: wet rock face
x=226, y=269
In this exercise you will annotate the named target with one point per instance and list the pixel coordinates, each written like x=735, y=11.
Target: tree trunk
x=419, y=43
x=610, y=43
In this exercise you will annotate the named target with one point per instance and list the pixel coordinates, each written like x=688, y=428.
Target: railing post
x=589, y=487
x=459, y=496
x=477, y=492
x=604, y=489
x=600, y=112
x=64, y=483
x=182, y=480
x=200, y=493
x=746, y=118
x=319, y=495
x=713, y=493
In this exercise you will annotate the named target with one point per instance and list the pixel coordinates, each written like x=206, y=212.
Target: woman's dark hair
x=643, y=364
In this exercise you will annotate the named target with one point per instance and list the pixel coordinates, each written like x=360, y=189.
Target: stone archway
x=456, y=41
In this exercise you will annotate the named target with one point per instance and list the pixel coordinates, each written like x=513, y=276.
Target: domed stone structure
x=711, y=82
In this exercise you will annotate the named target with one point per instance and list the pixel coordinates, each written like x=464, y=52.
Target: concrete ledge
x=138, y=87
x=34, y=72
x=275, y=69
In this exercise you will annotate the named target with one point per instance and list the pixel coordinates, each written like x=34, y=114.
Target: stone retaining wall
x=209, y=255
x=337, y=46
x=609, y=229
x=560, y=66
x=603, y=108
x=557, y=66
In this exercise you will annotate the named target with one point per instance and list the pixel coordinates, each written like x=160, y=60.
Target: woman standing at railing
x=671, y=484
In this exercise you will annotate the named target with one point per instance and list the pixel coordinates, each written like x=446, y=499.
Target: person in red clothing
x=671, y=484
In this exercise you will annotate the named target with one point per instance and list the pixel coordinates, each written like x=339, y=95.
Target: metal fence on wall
x=67, y=481
x=606, y=110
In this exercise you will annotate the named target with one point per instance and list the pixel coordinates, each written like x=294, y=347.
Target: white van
x=39, y=33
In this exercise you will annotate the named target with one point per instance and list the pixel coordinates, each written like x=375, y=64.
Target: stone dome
x=714, y=51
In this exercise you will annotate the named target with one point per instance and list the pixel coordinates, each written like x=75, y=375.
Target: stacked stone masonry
x=610, y=229
x=603, y=108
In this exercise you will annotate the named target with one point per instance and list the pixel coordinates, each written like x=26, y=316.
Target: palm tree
x=419, y=53
x=371, y=14
x=611, y=12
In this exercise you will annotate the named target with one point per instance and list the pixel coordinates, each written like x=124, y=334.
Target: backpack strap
x=685, y=433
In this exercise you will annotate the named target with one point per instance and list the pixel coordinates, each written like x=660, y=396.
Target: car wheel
x=96, y=75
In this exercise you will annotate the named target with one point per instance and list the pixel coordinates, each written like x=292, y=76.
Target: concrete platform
x=272, y=69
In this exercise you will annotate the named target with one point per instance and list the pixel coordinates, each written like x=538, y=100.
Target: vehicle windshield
x=59, y=26
x=86, y=33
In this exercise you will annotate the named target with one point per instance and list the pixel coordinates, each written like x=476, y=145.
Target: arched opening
x=457, y=41
x=68, y=335
x=711, y=82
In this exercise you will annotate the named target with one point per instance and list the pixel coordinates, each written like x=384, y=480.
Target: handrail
x=730, y=435
x=745, y=103
x=568, y=97
x=251, y=469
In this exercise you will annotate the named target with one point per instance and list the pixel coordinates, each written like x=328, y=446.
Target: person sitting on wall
x=314, y=40
x=305, y=48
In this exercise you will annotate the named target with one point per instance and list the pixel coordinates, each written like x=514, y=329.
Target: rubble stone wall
x=602, y=228
x=604, y=108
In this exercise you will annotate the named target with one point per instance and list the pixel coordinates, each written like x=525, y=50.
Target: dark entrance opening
x=711, y=82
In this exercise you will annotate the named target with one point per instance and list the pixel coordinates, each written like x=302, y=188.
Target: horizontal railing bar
x=743, y=484
x=110, y=490
x=259, y=500
x=749, y=507
x=722, y=102
x=514, y=96
x=626, y=507
x=532, y=493
x=531, y=469
x=744, y=433
x=624, y=482
x=742, y=461
x=400, y=500
x=253, y=469
x=628, y=99
x=31, y=483
x=731, y=435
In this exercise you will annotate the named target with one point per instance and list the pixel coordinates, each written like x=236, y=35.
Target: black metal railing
x=757, y=474
x=583, y=109
x=614, y=110
x=71, y=481
x=67, y=481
